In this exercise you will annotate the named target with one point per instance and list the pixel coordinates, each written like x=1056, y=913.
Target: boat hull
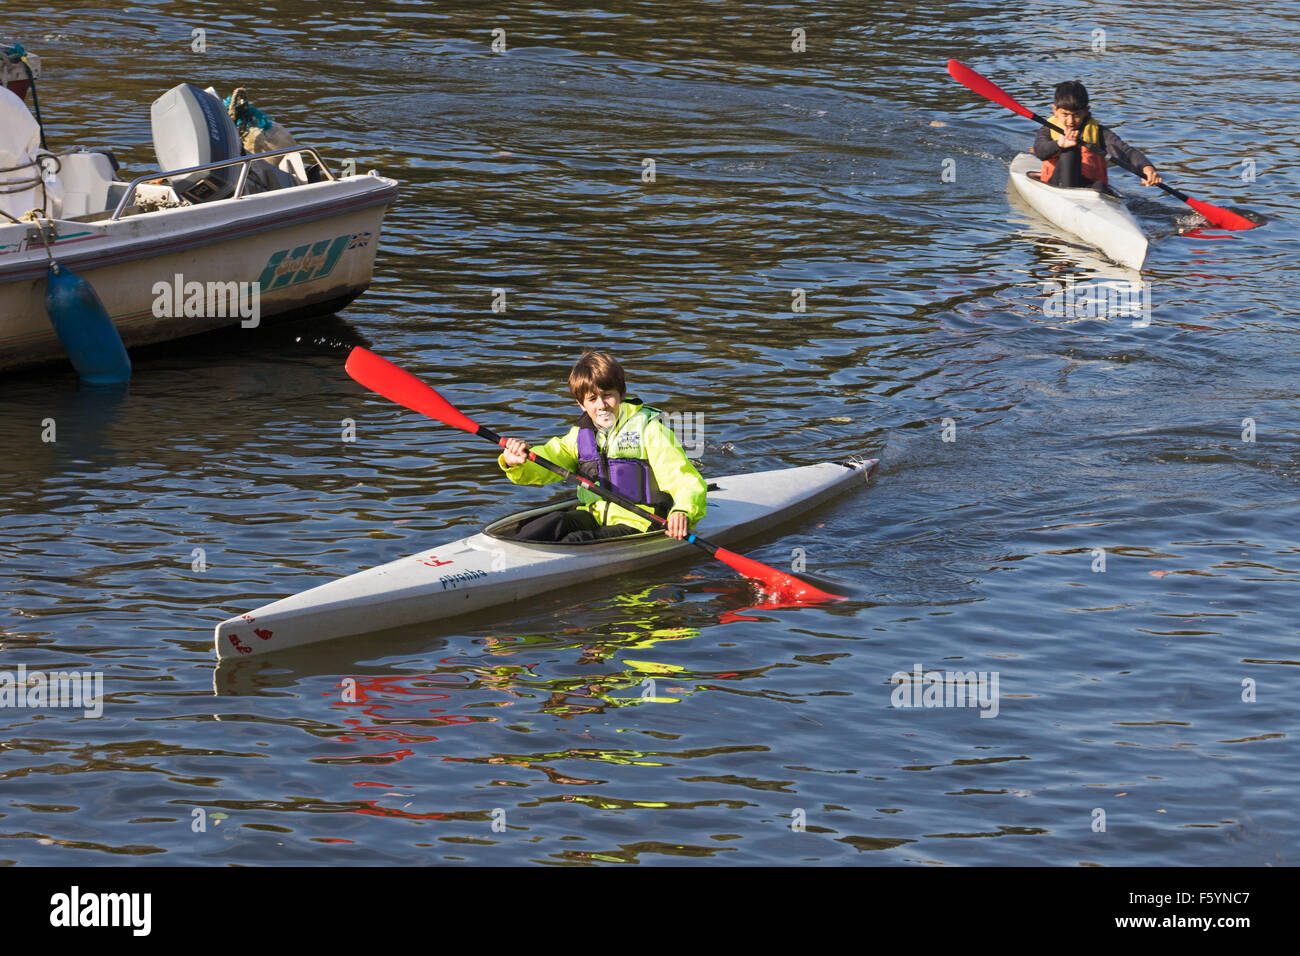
x=483, y=571
x=1098, y=219
x=309, y=247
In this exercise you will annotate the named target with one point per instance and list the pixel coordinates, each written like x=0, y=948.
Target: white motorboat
x=218, y=237
x=492, y=568
x=1098, y=218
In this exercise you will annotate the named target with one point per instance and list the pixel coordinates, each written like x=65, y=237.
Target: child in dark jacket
x=1077, y=157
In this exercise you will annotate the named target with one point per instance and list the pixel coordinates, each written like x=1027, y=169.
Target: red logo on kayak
x=433, y=562
x=243, y=648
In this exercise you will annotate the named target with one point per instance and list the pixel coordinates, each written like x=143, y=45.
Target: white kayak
x=1098, y=218
x=490, y=568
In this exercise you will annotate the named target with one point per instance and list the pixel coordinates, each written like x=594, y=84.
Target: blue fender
x=85, y=329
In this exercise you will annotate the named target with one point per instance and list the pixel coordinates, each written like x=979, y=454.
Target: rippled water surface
x=1099, y=532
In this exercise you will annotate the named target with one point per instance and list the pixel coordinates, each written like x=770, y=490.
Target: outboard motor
x=192, y=128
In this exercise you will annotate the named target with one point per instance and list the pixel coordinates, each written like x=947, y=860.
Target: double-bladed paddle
x=986, y=88
x=382, y=376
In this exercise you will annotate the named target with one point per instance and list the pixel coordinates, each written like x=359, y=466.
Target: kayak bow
x=1097, y=218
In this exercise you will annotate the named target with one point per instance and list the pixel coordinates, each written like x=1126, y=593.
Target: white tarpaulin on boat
x=21, y=190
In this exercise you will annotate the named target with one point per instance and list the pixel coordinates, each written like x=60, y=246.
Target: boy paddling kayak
x=404, y=388
x=963, y=74
x=620, y=445
x=1077, y=157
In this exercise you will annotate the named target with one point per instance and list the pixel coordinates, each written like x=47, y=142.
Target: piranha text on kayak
x=452, y=580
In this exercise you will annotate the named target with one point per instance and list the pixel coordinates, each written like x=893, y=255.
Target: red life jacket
x=1092, y=162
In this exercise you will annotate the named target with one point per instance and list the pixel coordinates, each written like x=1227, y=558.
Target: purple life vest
x=631, y=477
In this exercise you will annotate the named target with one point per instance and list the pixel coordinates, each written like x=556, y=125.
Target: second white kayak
x=1099, y=219
x=490, y=568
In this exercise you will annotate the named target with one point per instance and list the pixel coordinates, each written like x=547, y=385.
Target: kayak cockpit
x=1103, y=190
x=1033, y=173
x=507, y=529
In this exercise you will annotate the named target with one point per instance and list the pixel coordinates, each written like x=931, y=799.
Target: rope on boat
x=16, y=54
x=35, y=217
x=260, y=133
x=8, y=186
x=245, y=114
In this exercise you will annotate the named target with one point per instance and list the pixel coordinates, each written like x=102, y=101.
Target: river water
x=1099, y=512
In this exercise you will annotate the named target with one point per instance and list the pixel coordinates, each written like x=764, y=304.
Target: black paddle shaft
x=1177, y=194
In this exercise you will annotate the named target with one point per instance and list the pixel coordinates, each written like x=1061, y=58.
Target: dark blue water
x=1165, y=453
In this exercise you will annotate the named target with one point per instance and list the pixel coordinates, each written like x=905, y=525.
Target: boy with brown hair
x=621, y=445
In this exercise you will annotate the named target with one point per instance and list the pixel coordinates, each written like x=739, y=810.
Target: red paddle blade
x=1220, y=217
x=967, y=77
x=382, y=376
x=785, y=585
